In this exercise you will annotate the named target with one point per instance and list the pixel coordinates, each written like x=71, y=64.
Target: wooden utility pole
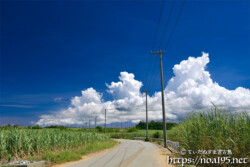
x=162, y=97
x=105, y=118
x=146, y=92
x=89, y=125
x=95, y=122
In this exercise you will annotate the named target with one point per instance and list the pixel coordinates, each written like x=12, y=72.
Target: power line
x=153, y=79
x=154, y=40
x=162, y=82
x=172, y=32
x=158, y=25
x=150, y=81
x=146, y=81
x=167, y=23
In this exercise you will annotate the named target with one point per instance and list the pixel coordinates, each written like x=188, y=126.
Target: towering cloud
x=191, y=88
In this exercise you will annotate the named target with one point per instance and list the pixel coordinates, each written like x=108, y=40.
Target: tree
x=15, y=126
x=36, y=127
x=99, y=128
x=155, y=125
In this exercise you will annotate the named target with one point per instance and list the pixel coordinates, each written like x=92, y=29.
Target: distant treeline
x=155, y=125
x=15, y=126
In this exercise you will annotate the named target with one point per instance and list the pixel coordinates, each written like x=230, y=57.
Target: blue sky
x=56, y=49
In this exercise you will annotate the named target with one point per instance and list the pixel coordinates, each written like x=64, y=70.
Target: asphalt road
x=130, y=153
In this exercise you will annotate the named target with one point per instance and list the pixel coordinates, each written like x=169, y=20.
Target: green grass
x=214, y=130
x=211, y=130
x=75, y=154
x=21, y=143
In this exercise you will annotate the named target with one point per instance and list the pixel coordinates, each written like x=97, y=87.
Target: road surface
x=130, y=153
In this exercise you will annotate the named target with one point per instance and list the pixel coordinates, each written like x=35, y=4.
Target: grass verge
x=53, y=158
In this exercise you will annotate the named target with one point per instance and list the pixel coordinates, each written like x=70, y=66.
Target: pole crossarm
x=158, y=52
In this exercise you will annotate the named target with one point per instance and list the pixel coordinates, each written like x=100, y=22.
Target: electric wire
x=155, y=77
x=149, y=83
x=166, y=27
x=152, y=75
x=154, y=40
x=147, y=74
x=158, y=25
x=178, y=17
x=172, y=32
x=167, y=23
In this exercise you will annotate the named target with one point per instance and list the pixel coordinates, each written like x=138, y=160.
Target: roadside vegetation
x=210, y=130
x=214, y=130
x=155, y=125
x=76, y=153
x=53, y=145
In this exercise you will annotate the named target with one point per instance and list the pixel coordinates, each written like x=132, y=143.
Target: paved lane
x=130, y=153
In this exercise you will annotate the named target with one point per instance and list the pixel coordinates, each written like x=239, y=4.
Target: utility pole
x=95, y=122
x=146, y=92
x=83, y=127
x=105, y=118
x=89, y=125
x=86, y=126
x=162, y=98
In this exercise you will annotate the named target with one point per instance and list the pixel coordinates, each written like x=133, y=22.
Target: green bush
x=16, y=126
x=155, y=125
x=36, y=127
x=99, y=128
x=110, y=130
x=156, y=135
x=57, y=127
x=133, y=129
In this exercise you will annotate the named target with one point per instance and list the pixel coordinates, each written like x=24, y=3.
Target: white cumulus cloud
x=190, y=88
